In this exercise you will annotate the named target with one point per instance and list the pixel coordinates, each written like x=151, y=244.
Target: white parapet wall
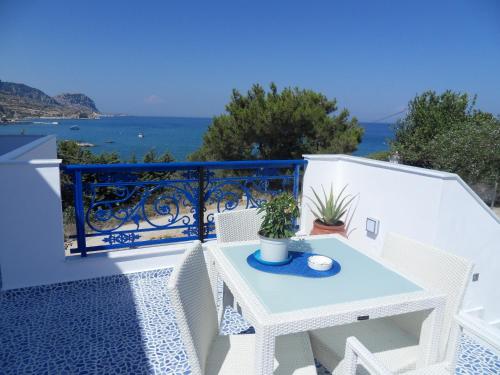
x=433, y=207
x=31, y=225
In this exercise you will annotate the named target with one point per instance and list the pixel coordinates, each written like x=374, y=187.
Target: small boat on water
x=74, y=127
x=85, y=144
x=109, y=141
x=140, y=135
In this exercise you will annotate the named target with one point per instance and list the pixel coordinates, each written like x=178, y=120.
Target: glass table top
x=360, y=278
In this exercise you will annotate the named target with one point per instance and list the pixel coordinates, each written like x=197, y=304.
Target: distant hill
x=77, y=100
x=18, y=101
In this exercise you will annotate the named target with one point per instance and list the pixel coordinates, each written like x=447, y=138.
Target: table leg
x=215, y=280
x=264, y=356
x=430, y=337
x=227, y=300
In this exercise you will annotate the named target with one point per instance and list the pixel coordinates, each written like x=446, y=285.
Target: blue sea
x=179, y=135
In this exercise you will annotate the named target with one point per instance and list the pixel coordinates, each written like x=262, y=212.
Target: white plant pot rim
x=273, y=239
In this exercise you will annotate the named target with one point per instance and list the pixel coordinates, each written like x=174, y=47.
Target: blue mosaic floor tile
x=120, y=325
x=475, y=359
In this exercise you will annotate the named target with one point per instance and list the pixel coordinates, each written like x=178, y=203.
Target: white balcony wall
x=433, y=207
x=31, y=227
x=41, y=148
x=31, y=223
x=467, y=227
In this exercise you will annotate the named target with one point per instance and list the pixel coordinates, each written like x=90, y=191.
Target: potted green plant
x=277, y=227
x=330, y=211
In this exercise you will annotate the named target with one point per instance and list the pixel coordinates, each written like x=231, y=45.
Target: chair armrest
x=356, y=352
x=480, y=331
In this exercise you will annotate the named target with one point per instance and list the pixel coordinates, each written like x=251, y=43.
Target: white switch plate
x=372, y=225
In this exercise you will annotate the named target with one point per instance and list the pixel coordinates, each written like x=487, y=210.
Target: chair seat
x=235, y=354
x=393, y=346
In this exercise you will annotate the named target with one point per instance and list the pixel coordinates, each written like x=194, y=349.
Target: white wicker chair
x=231, y=226
x=209, y=353
x=357, y=354
x=395, y=340
x=242, y=225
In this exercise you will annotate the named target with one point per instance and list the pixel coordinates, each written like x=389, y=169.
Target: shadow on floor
x=110, y=325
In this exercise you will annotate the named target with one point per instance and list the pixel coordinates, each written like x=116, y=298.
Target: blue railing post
x=79, y=214
x=296, y=186
x=201, y=203
x=296, y=181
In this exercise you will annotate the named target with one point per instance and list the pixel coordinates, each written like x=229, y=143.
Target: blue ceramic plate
x=258, y=258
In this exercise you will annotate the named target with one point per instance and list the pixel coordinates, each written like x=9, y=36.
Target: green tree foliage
x=152, y=157
x=447, y=132
x=431, y=115
x=71, y=153
x=379, y=155
x=470, y=149
x=278, y=125
x=133, y=159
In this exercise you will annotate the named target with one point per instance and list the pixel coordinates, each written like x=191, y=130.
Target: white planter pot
x=273, y=250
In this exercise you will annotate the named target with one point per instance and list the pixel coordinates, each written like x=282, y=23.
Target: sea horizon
x=159, y=133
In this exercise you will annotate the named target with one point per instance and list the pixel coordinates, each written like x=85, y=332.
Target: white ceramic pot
x=273, y=249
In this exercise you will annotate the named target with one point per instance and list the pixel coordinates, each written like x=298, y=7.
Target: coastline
x=32, y=119
x=93, y=116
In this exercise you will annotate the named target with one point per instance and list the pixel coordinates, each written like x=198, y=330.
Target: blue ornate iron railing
x=131, y=205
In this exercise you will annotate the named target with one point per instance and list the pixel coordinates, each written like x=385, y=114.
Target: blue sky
x=182, y=58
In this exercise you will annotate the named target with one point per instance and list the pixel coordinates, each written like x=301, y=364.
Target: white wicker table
x=365, y=288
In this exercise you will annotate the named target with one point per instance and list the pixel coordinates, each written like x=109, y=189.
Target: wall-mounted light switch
x=372, y=225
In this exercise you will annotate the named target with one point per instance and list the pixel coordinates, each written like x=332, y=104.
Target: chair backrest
x=192, y=300
x=241, y=225
x=434, y=268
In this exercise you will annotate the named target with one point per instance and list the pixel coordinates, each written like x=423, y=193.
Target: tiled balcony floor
x=117, y=325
